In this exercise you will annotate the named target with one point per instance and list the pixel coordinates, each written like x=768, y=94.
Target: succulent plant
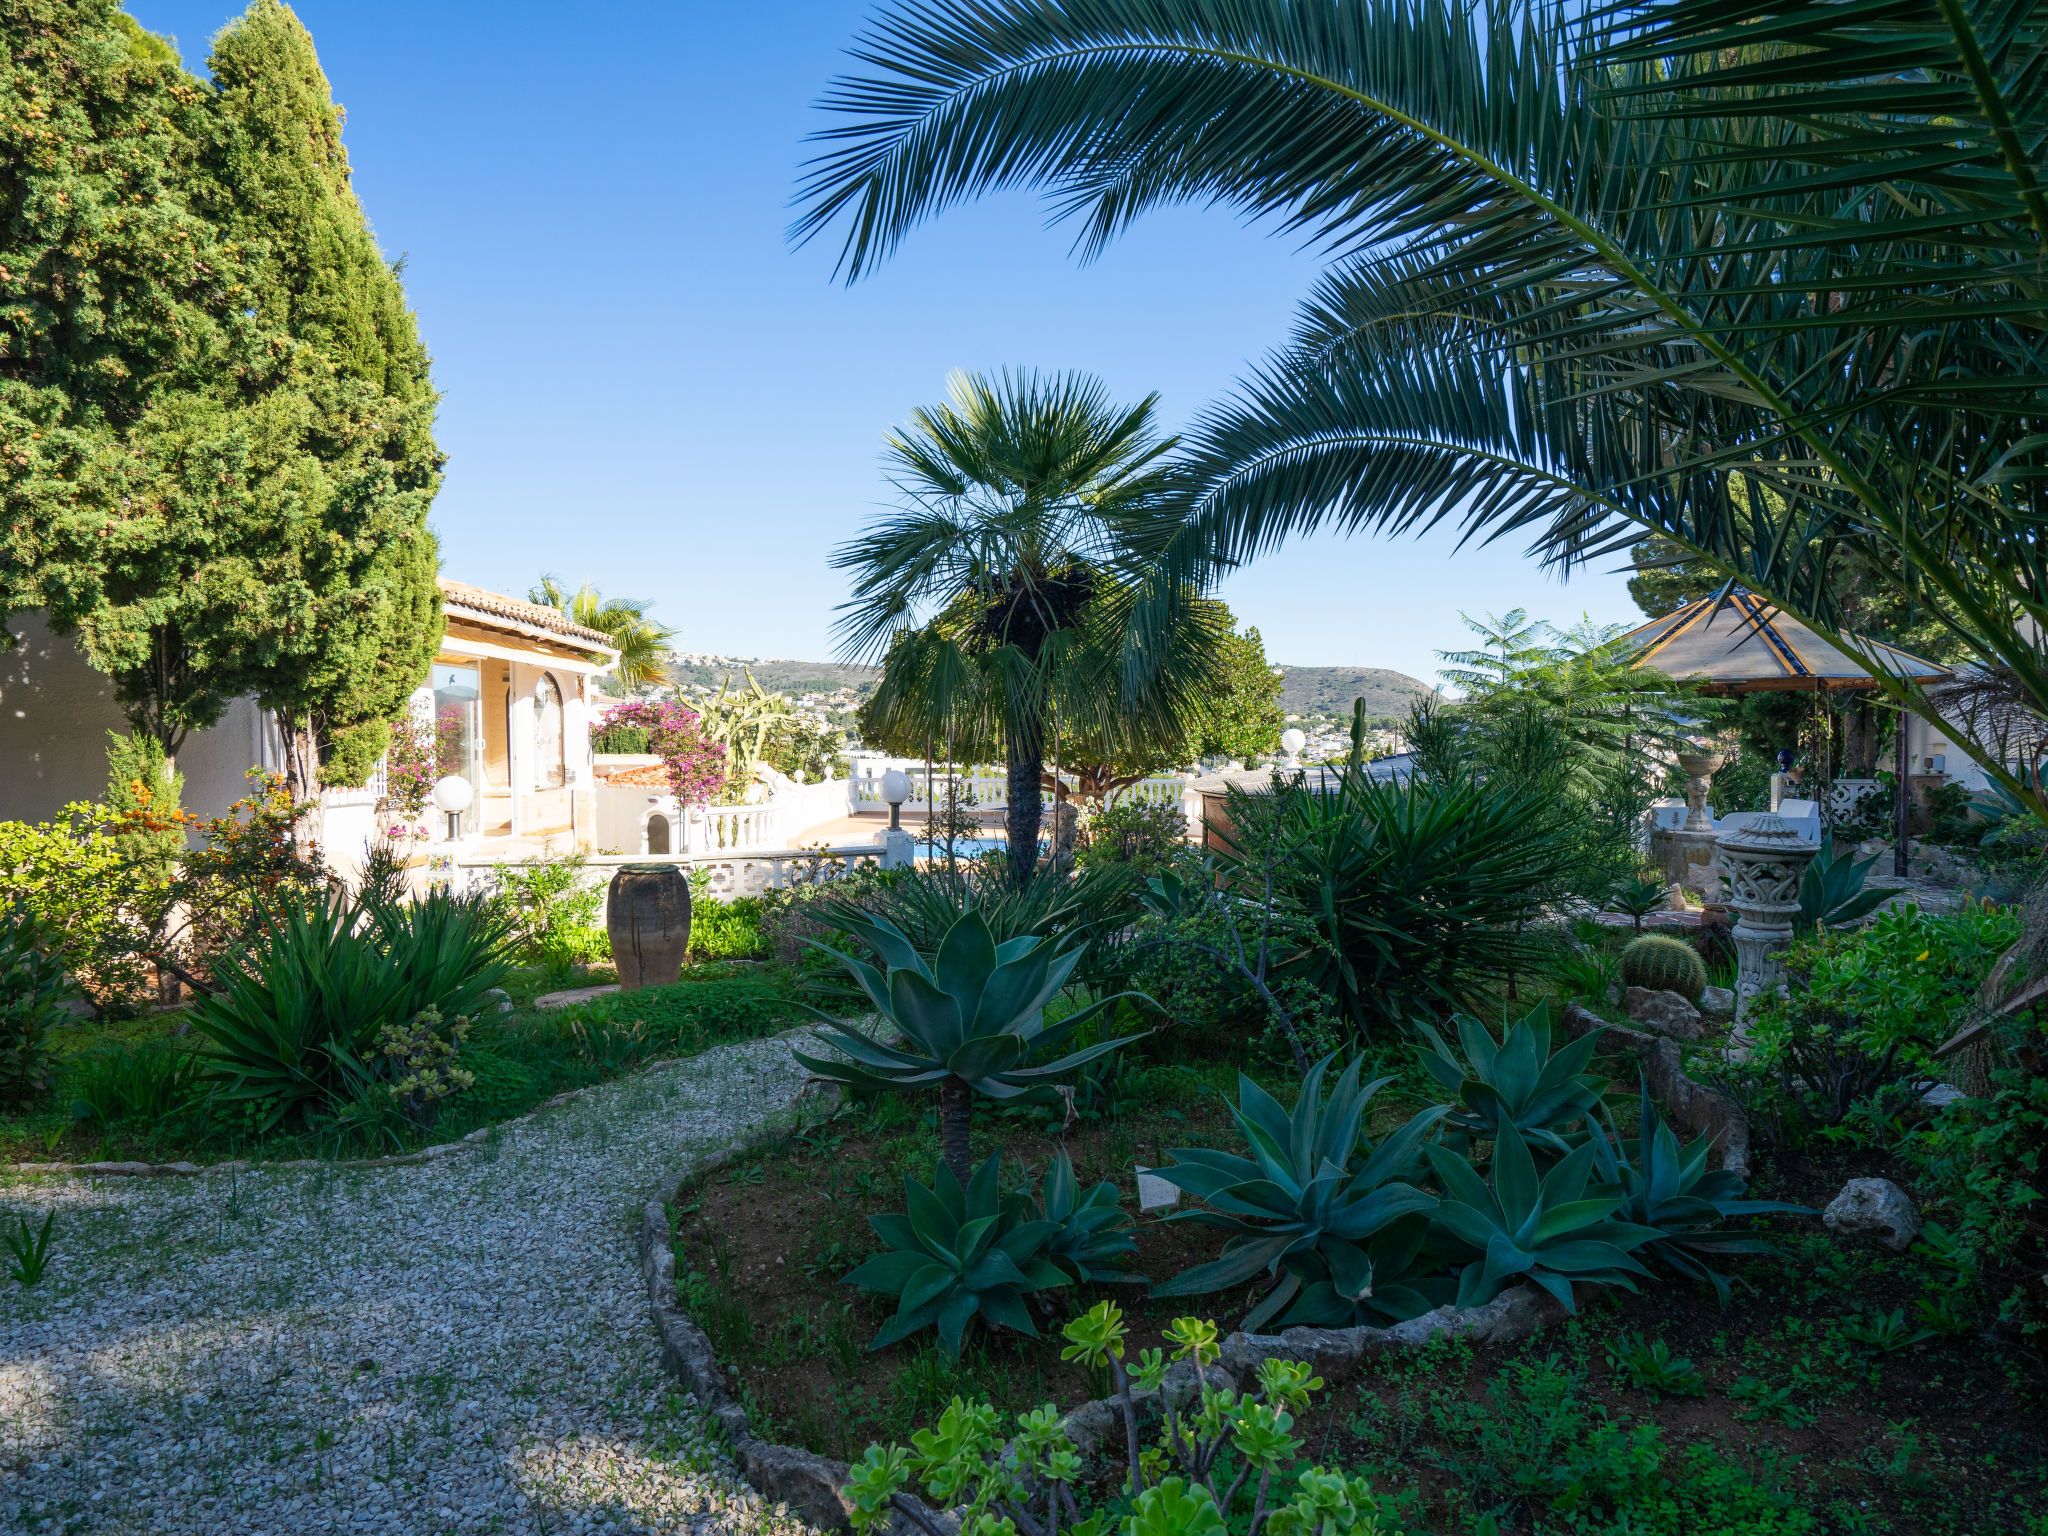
x=1516, y=1083
x=971, y=1018
x=1315, y=1205
x=1670, y=1189
x=1548, y=1229
x=956, y=1254
x=1093, y=1230
x=1664, y=964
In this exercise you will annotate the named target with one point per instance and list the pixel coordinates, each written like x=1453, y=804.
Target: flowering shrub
x=411, y=765
x=696, y=767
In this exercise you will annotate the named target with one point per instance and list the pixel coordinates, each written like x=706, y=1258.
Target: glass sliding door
x=458, y=702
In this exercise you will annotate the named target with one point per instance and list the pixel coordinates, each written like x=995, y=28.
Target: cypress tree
x=117, y=296
x=338, y=568
x=215, y=411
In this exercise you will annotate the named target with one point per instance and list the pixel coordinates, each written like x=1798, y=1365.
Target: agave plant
x=956, y=1254
x=1546, y=1230
x=1315, y=1205
x=1092, y=1230
x=1831, y=892
x=971, y=1021
x=1670, y=1189
x=1518, y=1083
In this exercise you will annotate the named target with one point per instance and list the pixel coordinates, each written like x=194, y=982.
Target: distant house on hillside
x=509, y=693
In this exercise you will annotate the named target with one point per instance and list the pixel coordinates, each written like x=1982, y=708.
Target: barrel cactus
x=1664, y=964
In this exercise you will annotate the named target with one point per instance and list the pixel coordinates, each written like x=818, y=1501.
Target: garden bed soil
x=1941, y=1436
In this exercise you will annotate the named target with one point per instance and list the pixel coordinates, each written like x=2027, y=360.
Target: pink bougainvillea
x=696, y=767
x=409, y=766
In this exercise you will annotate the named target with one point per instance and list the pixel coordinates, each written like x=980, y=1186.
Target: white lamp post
x=1291, y=742
x=453, y=796
x=895, y=790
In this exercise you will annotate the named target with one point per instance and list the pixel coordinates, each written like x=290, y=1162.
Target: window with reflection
x=550, y=762
x=457, y=690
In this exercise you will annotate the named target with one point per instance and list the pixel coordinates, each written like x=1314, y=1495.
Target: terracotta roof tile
x=458, y=595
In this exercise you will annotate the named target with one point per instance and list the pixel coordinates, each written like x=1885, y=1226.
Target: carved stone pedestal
x=1764, y=863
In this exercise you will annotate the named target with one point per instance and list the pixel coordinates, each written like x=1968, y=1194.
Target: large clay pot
x=647, y=914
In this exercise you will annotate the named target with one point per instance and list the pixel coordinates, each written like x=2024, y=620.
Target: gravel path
x=462, y=1346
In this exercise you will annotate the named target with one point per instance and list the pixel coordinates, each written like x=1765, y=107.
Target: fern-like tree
x=1761, y=279
x=1002, y=581
x=642, y=642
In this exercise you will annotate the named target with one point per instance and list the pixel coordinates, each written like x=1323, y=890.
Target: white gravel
x=462, y=1346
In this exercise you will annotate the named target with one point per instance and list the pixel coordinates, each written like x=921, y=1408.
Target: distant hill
x=775, y=675
x=1330, y=690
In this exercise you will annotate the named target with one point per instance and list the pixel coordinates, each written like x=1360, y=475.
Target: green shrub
x=33, y=987
x=1421, y=894
x=621, y=739
x=728, y=930
x=293, y=1029
x=1663, y=964
x=548, y=908
x=1146, y=836
x=71, y=876
x=141, y=1082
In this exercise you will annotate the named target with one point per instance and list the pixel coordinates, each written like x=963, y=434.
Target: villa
x=511, y=693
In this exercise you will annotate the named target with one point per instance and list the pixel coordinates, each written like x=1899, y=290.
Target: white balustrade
x=744, y=873
x=991, y=791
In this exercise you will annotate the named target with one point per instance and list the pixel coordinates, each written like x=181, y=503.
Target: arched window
x=550, y=766
x=657, y=834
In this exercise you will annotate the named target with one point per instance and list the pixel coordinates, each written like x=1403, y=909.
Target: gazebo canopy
x=1742, y=644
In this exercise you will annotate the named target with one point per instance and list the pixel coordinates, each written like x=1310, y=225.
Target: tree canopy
x=213, y=398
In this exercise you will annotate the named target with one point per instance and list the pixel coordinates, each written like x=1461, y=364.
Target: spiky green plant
x=1664, y=964
x=971, y=1019
x=957, y=1253
x=1548, y=1229
x=1092, y=1230
x=1517, y=1082
x=1316, y=1206
x=1671, y=1190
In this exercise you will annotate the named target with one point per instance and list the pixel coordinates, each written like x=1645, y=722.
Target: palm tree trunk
x=956, y=1117
x=1026, y=771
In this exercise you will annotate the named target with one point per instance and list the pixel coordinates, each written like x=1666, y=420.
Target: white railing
x=747, y=873
x=991, y=791
x=1846, y=797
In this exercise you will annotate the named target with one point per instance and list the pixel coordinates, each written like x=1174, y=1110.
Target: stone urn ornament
x=1764, y=861
x=1698, y=768
x=647, y=916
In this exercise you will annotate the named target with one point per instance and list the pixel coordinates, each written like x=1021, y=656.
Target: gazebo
x=1737, y=643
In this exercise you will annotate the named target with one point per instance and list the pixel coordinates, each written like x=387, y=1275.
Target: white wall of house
x=56, y=710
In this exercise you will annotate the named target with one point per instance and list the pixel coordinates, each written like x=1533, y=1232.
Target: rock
x=1873, y=1208
x=1717, y=1003
x=572, y=995
x=1663, y=1013
x=496, y=1000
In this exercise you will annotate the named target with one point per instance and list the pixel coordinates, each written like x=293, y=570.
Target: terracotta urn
x=647, y=914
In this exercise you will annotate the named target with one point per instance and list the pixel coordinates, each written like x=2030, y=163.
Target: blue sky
x=643, y=380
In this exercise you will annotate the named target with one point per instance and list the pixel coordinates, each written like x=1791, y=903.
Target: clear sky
x=645, y=386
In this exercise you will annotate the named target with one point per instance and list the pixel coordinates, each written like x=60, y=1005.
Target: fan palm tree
x=640, y=640
x=1000, y=585
x=1765, y=279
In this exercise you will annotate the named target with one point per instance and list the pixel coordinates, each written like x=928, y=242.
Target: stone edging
x=810, y=1483
x=1695, y=1108
x=403, y=1160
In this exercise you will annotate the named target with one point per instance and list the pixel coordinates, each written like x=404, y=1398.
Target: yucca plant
x=957, y=1253
x=1546, y=1229
x=1671, y=1190
x=1421, y=893
x=300, y=1006
x=1316, y=1206
x=971, y=1020
x=33, y=987
x=1517, y=1082
x=1091, y=1229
